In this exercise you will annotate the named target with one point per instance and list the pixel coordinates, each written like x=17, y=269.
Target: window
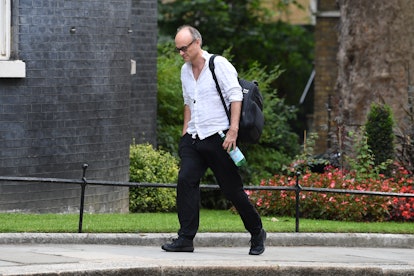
x=8, y=68
x=4, y=29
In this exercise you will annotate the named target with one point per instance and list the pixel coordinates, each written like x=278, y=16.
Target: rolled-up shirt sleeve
x=228, y=81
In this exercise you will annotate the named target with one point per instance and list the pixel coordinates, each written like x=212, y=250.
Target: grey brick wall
x=79, y=103
x=143, y=45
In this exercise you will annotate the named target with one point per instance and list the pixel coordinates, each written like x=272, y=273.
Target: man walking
x=201, y=147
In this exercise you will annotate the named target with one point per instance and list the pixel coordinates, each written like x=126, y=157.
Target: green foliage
x=219, y=21
x=380, y=135
x=246, y=28
x=363, y=164
x=306, y=160
x=363, y=175
x=169, y=97
x=148, y=165
x=291, y=47
x=263, y=162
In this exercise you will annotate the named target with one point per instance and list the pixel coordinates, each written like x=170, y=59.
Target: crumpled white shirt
x=207, y=112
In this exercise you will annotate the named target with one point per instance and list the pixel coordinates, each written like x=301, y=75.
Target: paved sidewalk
x=215, y=254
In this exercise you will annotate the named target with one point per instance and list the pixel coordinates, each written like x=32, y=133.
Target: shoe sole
x=181, y=249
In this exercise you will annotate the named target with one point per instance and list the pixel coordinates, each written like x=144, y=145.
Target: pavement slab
x=116, y=257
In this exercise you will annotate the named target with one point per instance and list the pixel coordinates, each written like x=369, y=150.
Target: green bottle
x=235, y=154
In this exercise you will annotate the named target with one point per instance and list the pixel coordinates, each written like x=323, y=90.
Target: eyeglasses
x=184, y=48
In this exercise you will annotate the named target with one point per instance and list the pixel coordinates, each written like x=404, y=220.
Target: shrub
x=148, y=165
x=170, y=106
x=363, y=164
x=306, y=160
x=402, y=208
x=379, y=133
x=347, y=207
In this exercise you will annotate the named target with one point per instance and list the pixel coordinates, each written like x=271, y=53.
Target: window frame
x=5, y=22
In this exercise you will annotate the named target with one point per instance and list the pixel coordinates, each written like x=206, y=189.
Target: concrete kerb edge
x=274, y=270
x=216, y=239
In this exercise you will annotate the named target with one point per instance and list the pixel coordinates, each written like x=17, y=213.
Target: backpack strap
x=211, y=65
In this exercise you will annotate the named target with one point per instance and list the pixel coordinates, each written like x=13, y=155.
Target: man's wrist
x=234, y=128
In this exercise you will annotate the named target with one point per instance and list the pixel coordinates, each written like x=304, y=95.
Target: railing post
x=82, y=203
x=298, y=188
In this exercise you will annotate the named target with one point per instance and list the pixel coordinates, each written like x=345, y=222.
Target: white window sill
x=12, y=69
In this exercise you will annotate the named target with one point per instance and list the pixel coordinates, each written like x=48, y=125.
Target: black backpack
x=251, y=117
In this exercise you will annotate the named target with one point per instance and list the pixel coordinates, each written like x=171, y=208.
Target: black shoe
x=179, y=245
x=257, y=243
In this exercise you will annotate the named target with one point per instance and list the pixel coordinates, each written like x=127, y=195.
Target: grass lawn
x=210, y=221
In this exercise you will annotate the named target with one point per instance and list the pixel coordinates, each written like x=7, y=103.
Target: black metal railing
x=83, y=182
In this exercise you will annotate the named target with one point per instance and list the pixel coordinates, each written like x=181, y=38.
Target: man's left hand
x=231, y=140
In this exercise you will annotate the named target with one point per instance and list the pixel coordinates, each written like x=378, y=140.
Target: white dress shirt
x=207, y=112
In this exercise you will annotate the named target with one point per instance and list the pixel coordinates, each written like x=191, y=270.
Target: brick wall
x=79, y=103
x=326, y=48
x=143, y=100
x=327, y=5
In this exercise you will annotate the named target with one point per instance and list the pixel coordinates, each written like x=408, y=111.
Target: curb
x=217, y=239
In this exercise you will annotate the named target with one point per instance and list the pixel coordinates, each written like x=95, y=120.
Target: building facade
x=326, y=72
x=77, y=85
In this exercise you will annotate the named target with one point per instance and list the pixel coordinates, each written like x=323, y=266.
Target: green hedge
x=148, y=165
x=380, y=134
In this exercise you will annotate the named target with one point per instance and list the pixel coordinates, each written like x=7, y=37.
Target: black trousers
x=196, y=156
